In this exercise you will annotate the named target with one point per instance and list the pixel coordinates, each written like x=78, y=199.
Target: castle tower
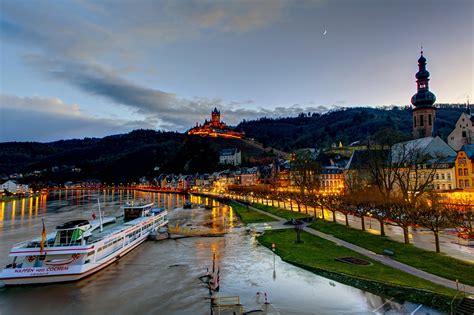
x=216, y=118
x=424, y=113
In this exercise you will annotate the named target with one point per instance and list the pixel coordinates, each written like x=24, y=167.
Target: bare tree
x=305, y=174
x=432, y=214
x=403, y=214
x=461, y=214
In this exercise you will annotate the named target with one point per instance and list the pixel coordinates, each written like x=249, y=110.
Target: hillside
x=345, y=125
x=126, y=157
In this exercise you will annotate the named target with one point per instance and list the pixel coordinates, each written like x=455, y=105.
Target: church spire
x=423, y=100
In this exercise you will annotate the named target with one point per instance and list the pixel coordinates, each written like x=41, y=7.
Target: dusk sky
x=74, y=69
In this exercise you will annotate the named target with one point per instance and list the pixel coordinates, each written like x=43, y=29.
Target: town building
x=230, y=157
x=424, y=113
x=465, y=168
x=248, y=176
x=13, y=187
x=428, y=160
x=463, y=132
x=215, y=128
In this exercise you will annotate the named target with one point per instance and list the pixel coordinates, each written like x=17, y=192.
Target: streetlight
x=273, y=250
x=370, y=219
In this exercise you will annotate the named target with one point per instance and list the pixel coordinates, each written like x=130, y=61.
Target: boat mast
x=100, y=215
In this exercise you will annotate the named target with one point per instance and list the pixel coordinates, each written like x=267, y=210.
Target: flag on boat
x=43, y=238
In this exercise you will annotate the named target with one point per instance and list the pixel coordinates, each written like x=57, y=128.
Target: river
x=162, y=277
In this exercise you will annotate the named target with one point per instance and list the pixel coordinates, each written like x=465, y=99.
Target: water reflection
x=162, y=277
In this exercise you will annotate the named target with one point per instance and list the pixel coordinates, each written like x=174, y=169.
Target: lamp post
x=273, y=250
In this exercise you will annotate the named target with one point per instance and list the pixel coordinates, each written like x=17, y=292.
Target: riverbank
x=428, y=261
x=319, y=256
x=18, y=197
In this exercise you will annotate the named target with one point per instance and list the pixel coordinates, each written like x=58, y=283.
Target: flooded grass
x=247, y=215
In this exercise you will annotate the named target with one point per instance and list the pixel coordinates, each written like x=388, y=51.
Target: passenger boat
x=80, y=248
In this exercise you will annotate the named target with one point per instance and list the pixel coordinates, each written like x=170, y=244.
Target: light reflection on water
x=162, y=277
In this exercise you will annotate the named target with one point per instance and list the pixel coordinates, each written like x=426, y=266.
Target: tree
x=432, y=214
x=402, y=213
x=332, y=203
x=461, y=214
x=305, y=171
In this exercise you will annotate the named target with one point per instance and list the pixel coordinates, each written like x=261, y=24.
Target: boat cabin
x=71, y=233
x=132, y=211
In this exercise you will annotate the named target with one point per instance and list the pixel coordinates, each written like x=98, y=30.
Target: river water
x=162, y=277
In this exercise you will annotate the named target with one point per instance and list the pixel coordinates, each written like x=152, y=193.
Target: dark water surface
x=162, y=277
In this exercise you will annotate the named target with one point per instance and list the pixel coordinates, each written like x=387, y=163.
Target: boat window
x=68, y=237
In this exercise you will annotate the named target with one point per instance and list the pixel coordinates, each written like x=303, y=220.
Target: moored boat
x=80, y=248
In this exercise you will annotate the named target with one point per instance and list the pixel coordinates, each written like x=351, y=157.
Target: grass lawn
x=249, y=216
x=319, y=253
x=282, y=213
x=438, y=264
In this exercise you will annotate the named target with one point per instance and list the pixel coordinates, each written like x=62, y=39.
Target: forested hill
x=122, y=158
x=138, y=153
x=344, y=125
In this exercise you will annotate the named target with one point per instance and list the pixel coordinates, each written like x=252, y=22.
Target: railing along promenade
x=138, y=188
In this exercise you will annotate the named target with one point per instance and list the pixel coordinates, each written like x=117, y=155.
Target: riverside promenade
x=380, y=258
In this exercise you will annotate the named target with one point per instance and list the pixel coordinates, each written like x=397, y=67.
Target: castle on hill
x=215, y=128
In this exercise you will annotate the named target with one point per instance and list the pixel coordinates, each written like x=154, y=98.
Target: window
x=465, y=172
x=437, y=186
x=459, y=171
x=466, y=183
x=442, y=176
x=460, y=183
x=449, y=186
x=429, y=120
x=414, y=121
x=443, y=186
x=449, y=176
x=437, y=176
x=421, y=121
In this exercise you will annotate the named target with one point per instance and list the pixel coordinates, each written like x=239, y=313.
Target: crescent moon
x=325, y=32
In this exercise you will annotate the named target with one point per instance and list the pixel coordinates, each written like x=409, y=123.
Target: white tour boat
x=79, y=248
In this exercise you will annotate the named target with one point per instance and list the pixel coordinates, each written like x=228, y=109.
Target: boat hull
x=55, y=274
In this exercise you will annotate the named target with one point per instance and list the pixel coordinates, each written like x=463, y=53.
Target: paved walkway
x=380, y=258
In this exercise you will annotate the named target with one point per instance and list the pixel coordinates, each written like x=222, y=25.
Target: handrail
x=457, y=293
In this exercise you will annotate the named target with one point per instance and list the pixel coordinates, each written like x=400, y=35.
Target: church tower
x=424, y=113
x=216, y=118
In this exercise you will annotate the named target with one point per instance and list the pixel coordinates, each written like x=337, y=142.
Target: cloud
x=94, y=48
x=47, y=119
x=122, y=29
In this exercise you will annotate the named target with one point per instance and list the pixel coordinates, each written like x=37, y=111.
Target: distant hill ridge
x=129, y=156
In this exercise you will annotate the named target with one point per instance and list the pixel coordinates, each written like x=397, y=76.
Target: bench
x=388, y=252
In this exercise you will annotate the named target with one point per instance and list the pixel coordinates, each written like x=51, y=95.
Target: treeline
x=347, y=125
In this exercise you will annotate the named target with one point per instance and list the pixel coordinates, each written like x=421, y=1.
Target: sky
x=79, y=68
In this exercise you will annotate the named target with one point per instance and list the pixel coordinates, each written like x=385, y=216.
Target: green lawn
x=431, y=262
x=249, y=216
x=316, y=252
x=282, y=213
